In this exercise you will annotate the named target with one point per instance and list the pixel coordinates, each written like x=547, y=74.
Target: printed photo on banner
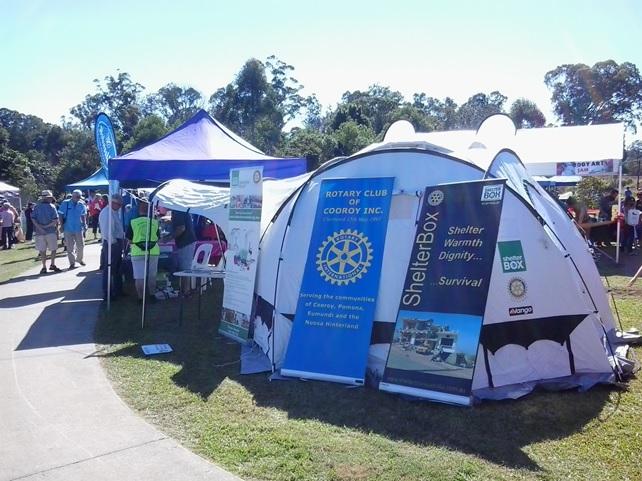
x=435, y=343
x=596, y=167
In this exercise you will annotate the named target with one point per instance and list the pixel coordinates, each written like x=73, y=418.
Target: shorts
x=46, y=242
x=138, y=266
x=185, y=257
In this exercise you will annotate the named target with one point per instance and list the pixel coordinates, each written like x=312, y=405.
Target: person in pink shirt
x=7, y=218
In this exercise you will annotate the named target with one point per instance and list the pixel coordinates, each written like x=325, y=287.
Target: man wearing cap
x=73, y=218
x=45, y=223
x=7, y=218
x=113, y=238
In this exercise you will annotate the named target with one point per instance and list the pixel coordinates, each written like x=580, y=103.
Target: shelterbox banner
x=335, y=310
x=441, y=310
x=246, y=202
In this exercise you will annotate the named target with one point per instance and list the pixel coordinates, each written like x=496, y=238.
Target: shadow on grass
x=495, y=431
x=196, y=344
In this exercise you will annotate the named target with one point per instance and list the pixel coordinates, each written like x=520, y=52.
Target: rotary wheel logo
x=435, y=198
x=517, y=288
x=344, y=257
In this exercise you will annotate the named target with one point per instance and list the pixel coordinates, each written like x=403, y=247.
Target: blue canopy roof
x=97, y=180
x=200, y=149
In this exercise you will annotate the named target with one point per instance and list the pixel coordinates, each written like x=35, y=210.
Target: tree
x=633, y=161
x=348, y=112
x=257, y=107
x=148, y=130
x=120, y=98
x=284, y=89
x=591, y=189
x=441, y=115
x=377, y=104
x=78, y=160
x=604, y=93
x=352, y=137
x=419, y=120
x=174, y=104
x=526, y=114
x=26, y=132
x=313, y=119
x=472, y=113
x=308, y=143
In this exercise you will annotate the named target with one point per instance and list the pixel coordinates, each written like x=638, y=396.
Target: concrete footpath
x=60, y=419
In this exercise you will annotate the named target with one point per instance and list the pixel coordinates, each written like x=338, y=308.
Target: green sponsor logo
x=511, y=256
x=235, y=178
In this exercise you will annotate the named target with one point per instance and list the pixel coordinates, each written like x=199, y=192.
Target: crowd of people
x=600, y=230
x=134, y=230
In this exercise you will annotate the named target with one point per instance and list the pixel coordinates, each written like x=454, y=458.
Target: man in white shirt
x=113, y=238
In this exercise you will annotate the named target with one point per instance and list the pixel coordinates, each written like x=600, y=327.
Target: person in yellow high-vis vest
x=143, y=235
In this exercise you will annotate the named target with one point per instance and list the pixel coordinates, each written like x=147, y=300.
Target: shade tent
x=8, y=189
x=200, y=149
x=542, y=149
x=212, y=202
x=10, y=193
x=558, y=180
x=97, y=180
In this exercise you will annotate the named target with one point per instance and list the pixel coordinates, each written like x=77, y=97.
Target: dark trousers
x=29, y=235
x=628, y=235
x=7, y=237
x=94, y=224
x=116, y=263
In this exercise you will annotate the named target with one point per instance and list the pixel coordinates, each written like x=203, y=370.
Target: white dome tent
x=566, y=336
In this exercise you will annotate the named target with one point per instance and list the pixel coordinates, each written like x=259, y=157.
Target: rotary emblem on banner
x=517, y=288
x=344, y=257
x=435, y=198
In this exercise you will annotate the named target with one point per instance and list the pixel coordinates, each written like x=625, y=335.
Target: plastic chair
x=201, y=261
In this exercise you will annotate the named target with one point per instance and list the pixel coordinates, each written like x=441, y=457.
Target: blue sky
x=51, y=51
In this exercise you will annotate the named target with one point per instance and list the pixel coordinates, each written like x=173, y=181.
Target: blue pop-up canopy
x=97, y=180
x=200, y=149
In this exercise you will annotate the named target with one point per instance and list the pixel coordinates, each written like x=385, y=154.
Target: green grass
x=23, y=257
x=293, y=430
x=17, y=260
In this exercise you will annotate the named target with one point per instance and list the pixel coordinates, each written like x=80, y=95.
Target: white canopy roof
x=540, y=149
x=4, y=187
x=212, y=202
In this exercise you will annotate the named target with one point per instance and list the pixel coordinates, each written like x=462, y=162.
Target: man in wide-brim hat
x=45, y=223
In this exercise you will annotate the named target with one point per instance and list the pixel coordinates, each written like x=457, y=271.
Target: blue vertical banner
x=106, y=144
x=105, y=139
x=335, y=311
x=434, y=346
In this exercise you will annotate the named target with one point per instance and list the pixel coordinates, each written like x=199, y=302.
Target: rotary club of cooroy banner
x=335, y=311
x=246, y=202
x=436, y=338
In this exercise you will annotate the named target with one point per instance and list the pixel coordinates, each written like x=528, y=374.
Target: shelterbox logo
x=492, y=193
x=511, y=256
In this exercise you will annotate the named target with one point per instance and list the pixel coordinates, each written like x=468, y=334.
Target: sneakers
x=55, y=268
x=72, y=267
x=82, y=263
x=43, y=270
